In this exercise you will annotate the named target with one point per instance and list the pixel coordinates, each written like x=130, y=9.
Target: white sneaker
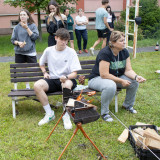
x=92, y=51
x=66, y=121
x=47, y=118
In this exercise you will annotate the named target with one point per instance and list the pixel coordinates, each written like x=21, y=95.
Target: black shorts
x=55, y=85
x=71, y=36
x=19, y=58
x=102, y=33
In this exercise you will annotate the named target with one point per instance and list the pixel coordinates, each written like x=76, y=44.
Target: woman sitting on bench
x=113, y=69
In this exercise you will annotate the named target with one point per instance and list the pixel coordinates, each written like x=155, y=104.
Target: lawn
x=22, y=138
x=7, y=49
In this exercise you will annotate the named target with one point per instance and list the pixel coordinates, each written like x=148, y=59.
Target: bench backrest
x=31, y=72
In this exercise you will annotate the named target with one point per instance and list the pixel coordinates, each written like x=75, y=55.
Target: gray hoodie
x=20, y=34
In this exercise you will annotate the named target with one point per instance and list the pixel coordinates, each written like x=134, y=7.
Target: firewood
x=151, y=133
x=137, y=139
x=139, y=131
x=152, y=143
x=123, y=137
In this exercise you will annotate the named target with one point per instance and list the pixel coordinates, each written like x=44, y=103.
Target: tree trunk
x=39, y=25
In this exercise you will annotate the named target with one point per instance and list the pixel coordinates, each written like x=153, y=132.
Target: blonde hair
x=115, y=35
x=80, y=10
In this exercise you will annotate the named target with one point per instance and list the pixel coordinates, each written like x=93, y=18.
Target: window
x=14, y=23
x=92, y=20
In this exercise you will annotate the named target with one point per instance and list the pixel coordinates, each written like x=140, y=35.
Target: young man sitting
x=63, y=65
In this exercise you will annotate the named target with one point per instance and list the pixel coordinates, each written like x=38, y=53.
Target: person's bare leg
x=40, y=87
x=104, y=42
x=97, y=42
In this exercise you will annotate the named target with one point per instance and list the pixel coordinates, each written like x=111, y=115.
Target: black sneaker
x=131, y=110
x=107, y=117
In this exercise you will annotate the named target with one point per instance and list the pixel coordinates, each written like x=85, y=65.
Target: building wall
x=9, y=14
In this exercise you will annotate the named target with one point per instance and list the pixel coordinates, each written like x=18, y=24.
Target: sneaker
x=85, y=50
x=91, y=51
x=66, y=121
x=47, y=118
x=131, y=110
x=80, y=52
x=107, y=117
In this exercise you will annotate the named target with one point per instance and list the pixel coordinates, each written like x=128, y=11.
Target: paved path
x=144, y=49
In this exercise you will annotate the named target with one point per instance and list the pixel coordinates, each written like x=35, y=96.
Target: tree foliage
x=38, y=6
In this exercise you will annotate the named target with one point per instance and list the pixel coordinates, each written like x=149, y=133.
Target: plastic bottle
x=157, y=47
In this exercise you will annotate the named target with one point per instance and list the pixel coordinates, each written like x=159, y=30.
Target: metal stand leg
x=116, y=102
x=79, y=126
x=56, y=125
x=75, y=131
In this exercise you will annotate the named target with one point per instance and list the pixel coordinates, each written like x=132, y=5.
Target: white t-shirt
x=60, y=63
x=109, y=18
x=80, y=19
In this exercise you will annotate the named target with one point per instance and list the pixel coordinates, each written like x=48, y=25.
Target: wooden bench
x=31, y=72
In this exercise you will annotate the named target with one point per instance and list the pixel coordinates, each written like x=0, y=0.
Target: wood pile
x=143, y=137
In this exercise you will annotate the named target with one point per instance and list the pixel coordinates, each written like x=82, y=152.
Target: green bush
x=120, y=25
x=150, y=14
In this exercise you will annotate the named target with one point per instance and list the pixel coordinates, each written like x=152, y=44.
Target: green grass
x=7, y=49
x=23, y=139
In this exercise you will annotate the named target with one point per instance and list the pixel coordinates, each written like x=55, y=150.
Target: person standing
x=113, y=69
x=24, y=35
x=111, y=18
x=63, y=64
x=101, y=25
x=54, y=21
x=70, y=23
x=81, y=30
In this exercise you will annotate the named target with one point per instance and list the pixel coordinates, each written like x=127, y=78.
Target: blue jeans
x=84, y=35
x=108, y=89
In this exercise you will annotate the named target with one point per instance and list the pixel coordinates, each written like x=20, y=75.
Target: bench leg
x=116, y=102
x=14, y=108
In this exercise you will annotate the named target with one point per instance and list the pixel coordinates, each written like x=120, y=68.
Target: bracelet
x=136, y=77
x=27, y=28
x=44, y=72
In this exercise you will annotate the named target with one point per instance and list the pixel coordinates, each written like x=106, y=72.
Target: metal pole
x=135, y=29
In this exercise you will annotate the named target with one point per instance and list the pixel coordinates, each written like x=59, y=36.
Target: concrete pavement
x=144, y=49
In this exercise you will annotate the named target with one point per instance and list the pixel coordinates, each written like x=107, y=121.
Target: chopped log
x=139, y=131
x=140, y=123
x=151, y=133
x=152, y=143
x=137, y=139
x=123, y=137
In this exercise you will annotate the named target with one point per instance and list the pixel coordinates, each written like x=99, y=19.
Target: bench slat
x=31, y=79
x=26, y=70
x=24, y=65
x=33, y=74
x=87, y=62
x=30, y=92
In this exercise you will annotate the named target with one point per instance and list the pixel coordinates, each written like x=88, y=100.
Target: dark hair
x=115, y=35
x=65, y=10
x=110, y=9
x=30, y=19
x=54, y=3
x=104, y=2
x=63, y=34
